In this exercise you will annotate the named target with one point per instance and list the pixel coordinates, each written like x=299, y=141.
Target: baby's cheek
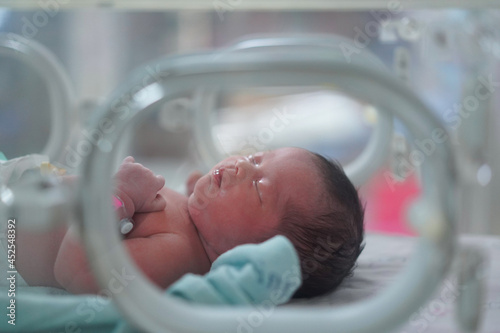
x=229, y=178
x=199, y=199
x=196, y=205
x=225, y=195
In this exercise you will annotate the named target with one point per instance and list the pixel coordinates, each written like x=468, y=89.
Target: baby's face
x=243, y=198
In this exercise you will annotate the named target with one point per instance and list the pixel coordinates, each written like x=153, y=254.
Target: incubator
x=403, y=94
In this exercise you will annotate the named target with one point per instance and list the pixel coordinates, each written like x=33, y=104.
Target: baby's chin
x=196, y=207
x=193, y=206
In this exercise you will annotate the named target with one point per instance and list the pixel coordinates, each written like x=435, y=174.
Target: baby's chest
x=147, y=224
x=170, y=220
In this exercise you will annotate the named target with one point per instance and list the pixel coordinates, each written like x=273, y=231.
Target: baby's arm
x=138, y=188
x=161, y=257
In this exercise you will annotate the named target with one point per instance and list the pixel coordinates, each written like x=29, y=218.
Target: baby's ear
x=191, y=181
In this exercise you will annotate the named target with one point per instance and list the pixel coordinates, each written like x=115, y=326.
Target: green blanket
x=249, y=274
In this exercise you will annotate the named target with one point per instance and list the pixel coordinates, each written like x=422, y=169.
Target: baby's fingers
x=128, y=159
x=159, y=182
x=157, y=204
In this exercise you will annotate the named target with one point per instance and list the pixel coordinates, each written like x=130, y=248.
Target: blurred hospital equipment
x=42, y=62
x=433, y=218
x=268, y=62
x=369, y=160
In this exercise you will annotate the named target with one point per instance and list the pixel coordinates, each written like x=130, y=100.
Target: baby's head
x=288, y=191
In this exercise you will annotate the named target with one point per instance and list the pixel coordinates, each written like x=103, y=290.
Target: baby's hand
x=138, y=187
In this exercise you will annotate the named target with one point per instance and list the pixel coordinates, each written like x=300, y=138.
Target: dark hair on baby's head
x=328, y=240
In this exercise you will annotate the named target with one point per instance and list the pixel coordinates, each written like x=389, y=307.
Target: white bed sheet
x=385, y=256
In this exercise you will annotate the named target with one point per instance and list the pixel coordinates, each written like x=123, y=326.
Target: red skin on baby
x=241, y=200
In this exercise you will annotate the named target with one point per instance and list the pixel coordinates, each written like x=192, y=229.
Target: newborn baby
x=243, y=199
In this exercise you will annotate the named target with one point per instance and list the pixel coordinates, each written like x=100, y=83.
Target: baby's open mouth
x=217, y=173
x=226, y=174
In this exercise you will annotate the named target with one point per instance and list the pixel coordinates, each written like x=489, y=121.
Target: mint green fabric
x=246, y=275
x=2, y=157
x=37, y=312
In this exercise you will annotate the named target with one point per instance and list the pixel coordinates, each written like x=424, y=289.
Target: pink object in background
x=387, y=204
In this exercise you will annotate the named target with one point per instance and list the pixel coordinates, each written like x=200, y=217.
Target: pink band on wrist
x=126, y=224
x=117, y=203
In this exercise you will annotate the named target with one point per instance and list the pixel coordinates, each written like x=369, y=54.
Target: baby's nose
x=244, y=167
